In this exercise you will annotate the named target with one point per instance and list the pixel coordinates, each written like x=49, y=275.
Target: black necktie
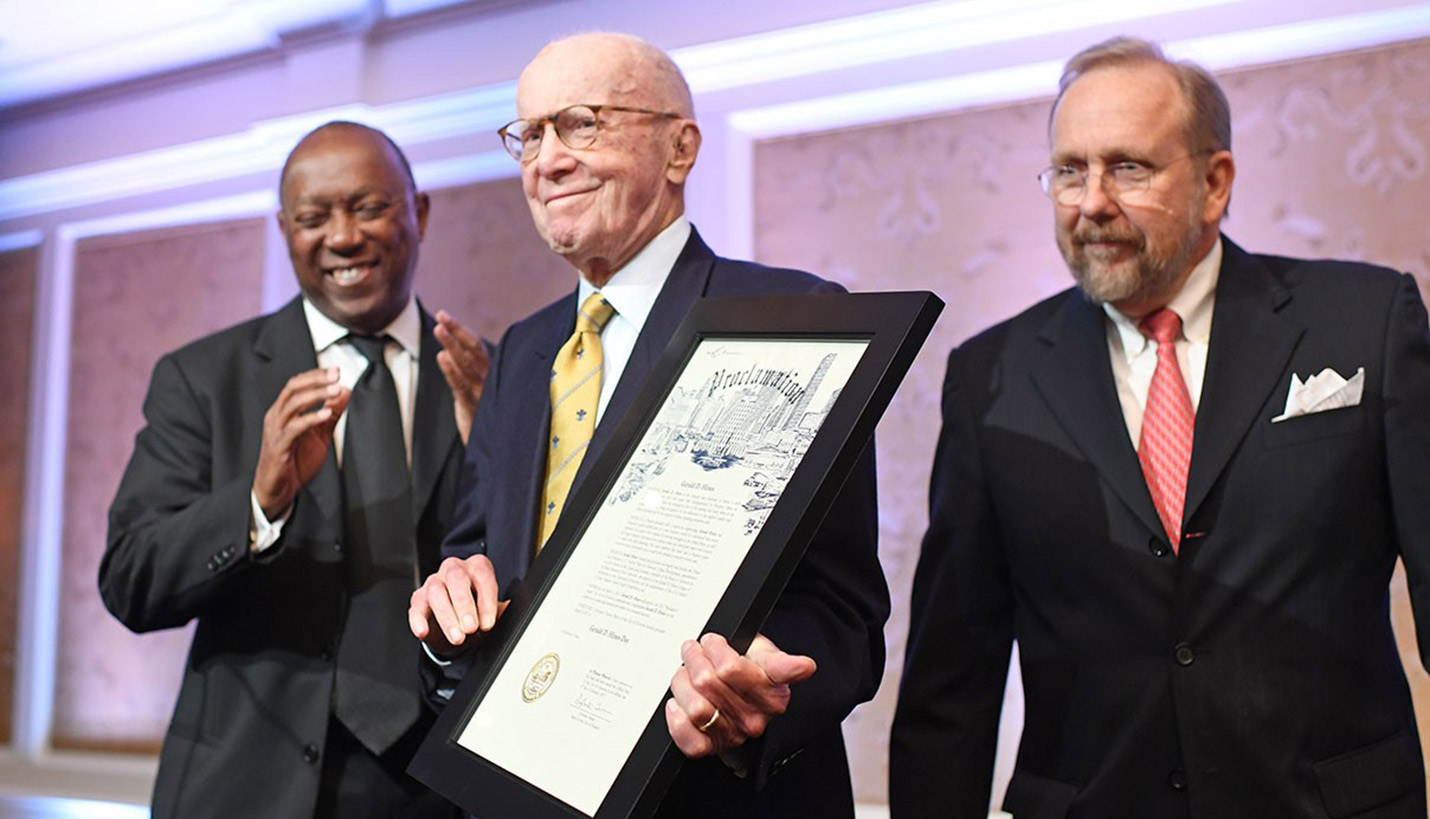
x=377, y=683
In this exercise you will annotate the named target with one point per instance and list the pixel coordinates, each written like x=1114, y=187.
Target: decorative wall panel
x=17, y=313
x=482, y=260
x=136, y=297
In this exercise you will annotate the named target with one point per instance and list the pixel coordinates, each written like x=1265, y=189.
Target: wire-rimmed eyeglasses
x=1125, y=181
x=576, y=126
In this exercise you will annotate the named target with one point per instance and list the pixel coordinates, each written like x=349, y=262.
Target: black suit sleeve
x=945, y=731
x=833, y=610
x=1407, y=445
x=175, y=538
x=468, y=535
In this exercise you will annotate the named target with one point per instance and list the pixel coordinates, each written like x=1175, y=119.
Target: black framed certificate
x=690, y=521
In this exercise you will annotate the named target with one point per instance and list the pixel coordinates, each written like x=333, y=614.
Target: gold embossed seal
x=542, y=675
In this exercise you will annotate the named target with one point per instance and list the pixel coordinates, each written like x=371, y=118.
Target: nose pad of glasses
x=1096, y=196
x=550, y=139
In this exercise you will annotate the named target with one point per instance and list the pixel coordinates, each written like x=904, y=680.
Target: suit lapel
x=434, y=422
x=1251, y=343
x=686, y=283
x=530, y=420
x=530, y=413
x=287, y=347
x=1087, y=407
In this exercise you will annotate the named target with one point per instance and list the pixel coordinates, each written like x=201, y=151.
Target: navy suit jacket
x=249, y=727
x=1254, y=675
x=833, y=609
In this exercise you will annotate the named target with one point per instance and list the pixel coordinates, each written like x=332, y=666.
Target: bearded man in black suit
x=1182, y=487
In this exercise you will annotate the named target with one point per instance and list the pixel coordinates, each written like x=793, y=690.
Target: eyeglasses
x=576, y=126
x=1124, y=181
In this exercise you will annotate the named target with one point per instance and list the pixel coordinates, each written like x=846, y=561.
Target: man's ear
x=682, y=156
x=423, y=204
x=1220, y=172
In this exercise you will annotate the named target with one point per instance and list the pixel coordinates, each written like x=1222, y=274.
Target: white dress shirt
x=333, y=350
x=633, y=291
x=1134, y=356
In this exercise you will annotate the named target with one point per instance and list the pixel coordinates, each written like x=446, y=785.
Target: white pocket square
x=1324, y=391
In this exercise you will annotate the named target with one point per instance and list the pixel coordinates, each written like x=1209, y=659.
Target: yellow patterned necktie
x=575, y=391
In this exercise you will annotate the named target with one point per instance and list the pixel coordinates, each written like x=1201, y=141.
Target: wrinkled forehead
x=1122, y=106
x=591, y=72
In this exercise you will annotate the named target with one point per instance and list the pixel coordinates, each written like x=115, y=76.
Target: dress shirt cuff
x=431, y=655
x=447, y=676
x=263, y=533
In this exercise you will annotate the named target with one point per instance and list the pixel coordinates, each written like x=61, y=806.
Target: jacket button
x=1157, y=547
x=338, y=547
x=1177, y=779
x=1184, y=654
x=310, y=754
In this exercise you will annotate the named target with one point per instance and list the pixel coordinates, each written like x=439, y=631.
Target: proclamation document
x=569, y=704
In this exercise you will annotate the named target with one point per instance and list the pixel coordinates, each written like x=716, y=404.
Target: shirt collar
x=634, y=288
x=1194, y=303
x=406, y=329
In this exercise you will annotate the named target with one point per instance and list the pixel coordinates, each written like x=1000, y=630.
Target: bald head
x=636, y=68
x=600, y=202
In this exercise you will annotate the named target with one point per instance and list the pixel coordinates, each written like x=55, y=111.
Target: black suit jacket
x=1254, y=675
x=249, y=727
x=833, y=609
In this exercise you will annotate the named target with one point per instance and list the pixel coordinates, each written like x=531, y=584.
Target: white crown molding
x=172, y=35
x=810, y=51
x=1032, y=80
x=20, y=240
x=240, y=206
x=899, y=101
x=465, y=170
x=903, y=34
x=260, y=149
x=1295, y=41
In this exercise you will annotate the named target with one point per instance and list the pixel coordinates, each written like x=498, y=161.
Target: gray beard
x=1152, y=278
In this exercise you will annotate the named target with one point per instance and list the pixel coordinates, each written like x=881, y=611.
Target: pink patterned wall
x=482, y=260
x=17, y=312
x=136, y=296
x=1331, y=154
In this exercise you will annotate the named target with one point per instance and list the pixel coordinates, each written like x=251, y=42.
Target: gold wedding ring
x=709, y=722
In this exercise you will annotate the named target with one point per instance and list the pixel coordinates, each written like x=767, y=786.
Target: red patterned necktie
x=1166, y=446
